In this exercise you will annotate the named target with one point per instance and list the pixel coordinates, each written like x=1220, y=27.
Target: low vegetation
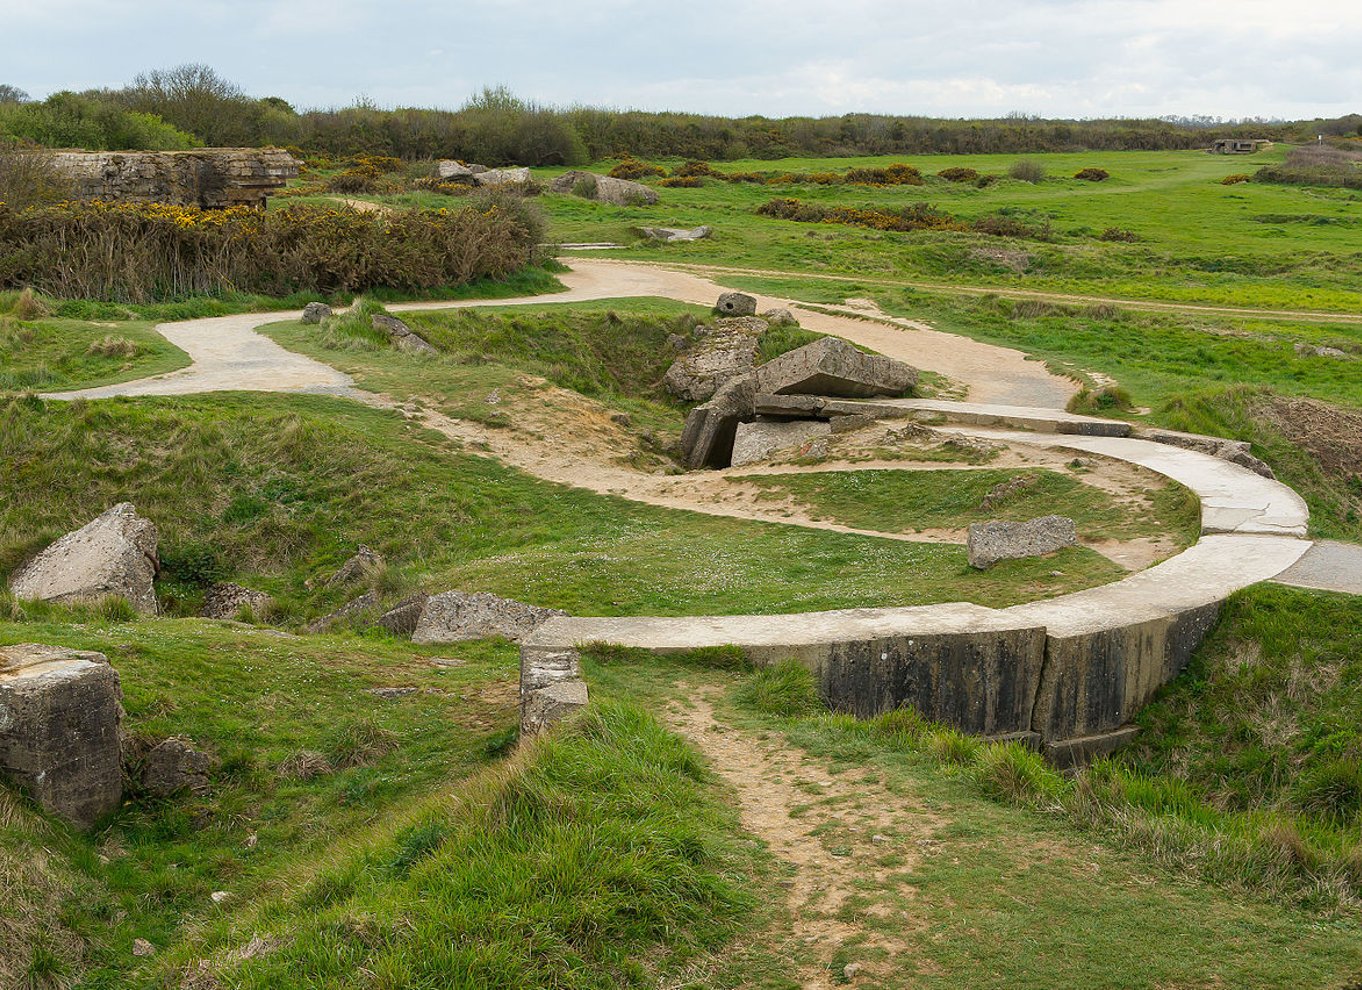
x=49, y=354
x=1316, y=165
x=133, y=253
x=909, y=501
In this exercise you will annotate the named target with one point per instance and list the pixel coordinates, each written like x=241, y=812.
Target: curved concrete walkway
x=228, y=355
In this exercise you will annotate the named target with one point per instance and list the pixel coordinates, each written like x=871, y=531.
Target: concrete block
x=59, y=716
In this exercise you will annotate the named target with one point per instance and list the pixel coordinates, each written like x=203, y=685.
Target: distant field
x=1247, y=244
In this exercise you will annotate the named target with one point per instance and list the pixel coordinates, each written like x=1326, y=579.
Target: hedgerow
x=140, y=253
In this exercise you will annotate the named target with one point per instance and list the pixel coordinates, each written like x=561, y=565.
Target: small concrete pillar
x=59, y=715
x=551, y=688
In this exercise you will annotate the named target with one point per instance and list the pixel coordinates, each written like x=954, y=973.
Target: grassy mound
x=905, y=501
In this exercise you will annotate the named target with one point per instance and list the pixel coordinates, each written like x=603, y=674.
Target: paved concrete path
x=228, y=354
x=1327, y=566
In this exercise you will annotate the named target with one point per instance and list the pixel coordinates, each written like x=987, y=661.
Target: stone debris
x=210, y=178
x=172, y=766
x=142, y=948
x=401, y=619
x=402, y=336
x=60, y=711
x=220, y=896
x=831, y=366
x=736, y=304
x=717, y=357
x=365, y=562
x=790, y=387
x=779, y=316
x=758, y=440
x=225, y=600
x=711, y=428
x=990, y=542
x=315, y=312
x=114, y=554
x=551, y=688
x=452, y=171
x=502, y=177
x=1004, y=490
x=670, y=235
x=1235, y=451
x=604, y=189
x=1310, y=350
x=365, y=602
x=456, y=616
x=392, y=693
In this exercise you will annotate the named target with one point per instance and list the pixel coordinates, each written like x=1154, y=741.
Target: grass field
x=900, y=502
x=48, y=355
x=1194, y=239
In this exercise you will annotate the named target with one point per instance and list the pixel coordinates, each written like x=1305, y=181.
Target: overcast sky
x=1068, y=58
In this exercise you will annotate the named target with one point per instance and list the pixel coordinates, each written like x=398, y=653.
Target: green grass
x=1251, y=244
x=599, y=858
x=53, y=354
x=254, y=700
x=909, y=501
x=1267, y=715
x=276, y=492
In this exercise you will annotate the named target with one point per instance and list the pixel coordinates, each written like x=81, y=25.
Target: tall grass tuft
x=786, y=689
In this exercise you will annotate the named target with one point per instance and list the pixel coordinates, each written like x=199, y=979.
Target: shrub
x=1235, y=179
x=29, y=177
x=139, y=253
x=1091, y=174
x=683, y=182
x=1332, y=790
x=998, y=225
x=1027, y=170
x=1092, y=402
x=1316, y=165
x=29, y=307
x=957, y=173
x=696, y=169
x=919, y=216
x=112, y=346
x=1118, y=234
x=897, y=174
x=1011, y=772
x=632, y=168
x=785, y=689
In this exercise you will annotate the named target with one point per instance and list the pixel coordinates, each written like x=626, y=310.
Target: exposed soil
x=831, y=828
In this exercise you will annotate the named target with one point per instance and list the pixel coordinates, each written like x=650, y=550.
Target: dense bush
x=1091, y=174
x=919, y=216
x=29, y=178
x=1027, y=170
x=632, y=168
x=69, y=120
x=957, y=173
x=1316, y=165
x=683, y=182
x=1235, y=179
x=1118, y=234
x=144, y=253
x=897, y=174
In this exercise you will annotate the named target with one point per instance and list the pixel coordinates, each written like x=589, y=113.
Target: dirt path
x=830, y=828
x=1062, y=298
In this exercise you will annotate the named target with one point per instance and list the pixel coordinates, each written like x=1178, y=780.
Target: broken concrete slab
x=604, y=189
x=502, y=177
x=364, y=603
x=60, y=711
x=402, y=335
x=707, y=439
x=991, y=542
x=756, y=441
x=171, y=766
x=1067, y=754
x=1235, y=451
x=832, y=367
x=315, y=312
x=711, y=362
x=671, y=235
x=114, y=554
x=226, y=600
x=403, y=618
x=364, y=562
x=456, y=616
x=551, y=688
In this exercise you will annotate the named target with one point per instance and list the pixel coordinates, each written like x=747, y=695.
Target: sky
x=966, y=58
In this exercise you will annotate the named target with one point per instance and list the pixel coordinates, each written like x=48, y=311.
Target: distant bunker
x=209, y=178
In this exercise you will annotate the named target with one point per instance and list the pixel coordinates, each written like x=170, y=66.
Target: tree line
x=192, y=105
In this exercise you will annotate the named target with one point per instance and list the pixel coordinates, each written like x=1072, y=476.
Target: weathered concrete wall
x=211, y=178
x=981, y=682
